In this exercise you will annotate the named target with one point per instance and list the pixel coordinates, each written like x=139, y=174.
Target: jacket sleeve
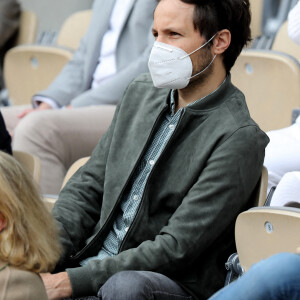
x=222, y=190
x=78, y=207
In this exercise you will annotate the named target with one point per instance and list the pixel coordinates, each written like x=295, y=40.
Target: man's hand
x=42, y=106
x=58, y=286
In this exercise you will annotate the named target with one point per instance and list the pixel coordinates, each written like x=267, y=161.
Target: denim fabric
x=129, y=285
x=85, y=298
x=275, y=278
x=139, y=285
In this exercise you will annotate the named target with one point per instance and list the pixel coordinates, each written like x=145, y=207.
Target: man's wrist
x=58, y=286
x=38, y=100
x=64, y=284
x=43, y=105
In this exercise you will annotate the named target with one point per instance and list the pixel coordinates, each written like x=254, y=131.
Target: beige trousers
x=58, y=137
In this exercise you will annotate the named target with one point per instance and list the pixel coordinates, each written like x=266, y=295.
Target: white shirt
x=282, y=153
x=288, y=190
x=107, y=65
x=294, y=23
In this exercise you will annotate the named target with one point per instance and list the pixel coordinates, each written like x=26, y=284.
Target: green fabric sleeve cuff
x=81, y=281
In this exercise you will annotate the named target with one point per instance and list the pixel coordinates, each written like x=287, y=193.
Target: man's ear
x=222, y=41
x=2, y=222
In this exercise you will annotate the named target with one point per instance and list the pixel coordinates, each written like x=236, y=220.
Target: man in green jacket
x=151, y=215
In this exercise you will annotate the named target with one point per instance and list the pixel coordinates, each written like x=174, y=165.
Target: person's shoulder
x=142, y=88
x=141, y=96
x=238, y=109
x=144, y=78
x=22, y=284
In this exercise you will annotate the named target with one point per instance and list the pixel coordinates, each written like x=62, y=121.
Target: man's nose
x=161, y=39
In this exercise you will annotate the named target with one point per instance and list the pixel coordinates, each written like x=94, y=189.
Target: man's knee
x=283, y=265
x=126, y=285
x=34, y=128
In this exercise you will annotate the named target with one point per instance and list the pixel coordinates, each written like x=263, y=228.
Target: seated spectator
x=28, y=238
x=5, y=139
x=113, y=52
x=294, y=23
x=153, y=210
x=9, y=24
x=282, y=153
x=276, y=278
x=288, y=190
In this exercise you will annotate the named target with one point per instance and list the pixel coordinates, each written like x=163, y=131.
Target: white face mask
x=171, y=67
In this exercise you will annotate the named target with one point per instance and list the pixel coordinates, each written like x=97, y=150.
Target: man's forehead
x=174, y=14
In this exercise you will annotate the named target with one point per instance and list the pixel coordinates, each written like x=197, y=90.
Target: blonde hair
x=29, y=239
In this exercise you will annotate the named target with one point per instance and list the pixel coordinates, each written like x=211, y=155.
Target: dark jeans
x=133, y=285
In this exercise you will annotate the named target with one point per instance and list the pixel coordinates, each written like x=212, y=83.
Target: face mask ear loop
x=205, y=68
x=199, y=47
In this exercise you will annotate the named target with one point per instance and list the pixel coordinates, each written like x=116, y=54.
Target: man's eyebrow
x=167, y=29
x=172, y=29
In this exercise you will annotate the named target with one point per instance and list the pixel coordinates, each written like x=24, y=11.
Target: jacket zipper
x=77, y=255
x=139, y=207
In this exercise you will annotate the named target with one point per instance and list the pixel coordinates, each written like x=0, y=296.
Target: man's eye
x=174, y=33
x=155, y=34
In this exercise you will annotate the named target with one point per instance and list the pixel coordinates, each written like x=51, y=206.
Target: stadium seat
x=283, y=43
x=31, y=68
x=27, y=29
x=271, y=84
x=74, y=167
x=261, y=189
x=264, y=231
x=259, y=197
x=73, y=29
x=30, y=162
x=257, y=17
x=50, y=199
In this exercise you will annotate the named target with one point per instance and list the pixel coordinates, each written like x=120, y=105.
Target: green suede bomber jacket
x=184, y=225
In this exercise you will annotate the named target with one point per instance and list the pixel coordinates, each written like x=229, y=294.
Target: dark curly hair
x=211, y=16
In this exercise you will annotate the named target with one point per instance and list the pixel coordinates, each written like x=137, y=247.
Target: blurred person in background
x=294, y=23
x=282, y=153
x=9, y=24
x=72, y=114
x=28, y=236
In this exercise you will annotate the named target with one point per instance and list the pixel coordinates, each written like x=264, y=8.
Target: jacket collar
x=213, y=100
x=217, y=97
